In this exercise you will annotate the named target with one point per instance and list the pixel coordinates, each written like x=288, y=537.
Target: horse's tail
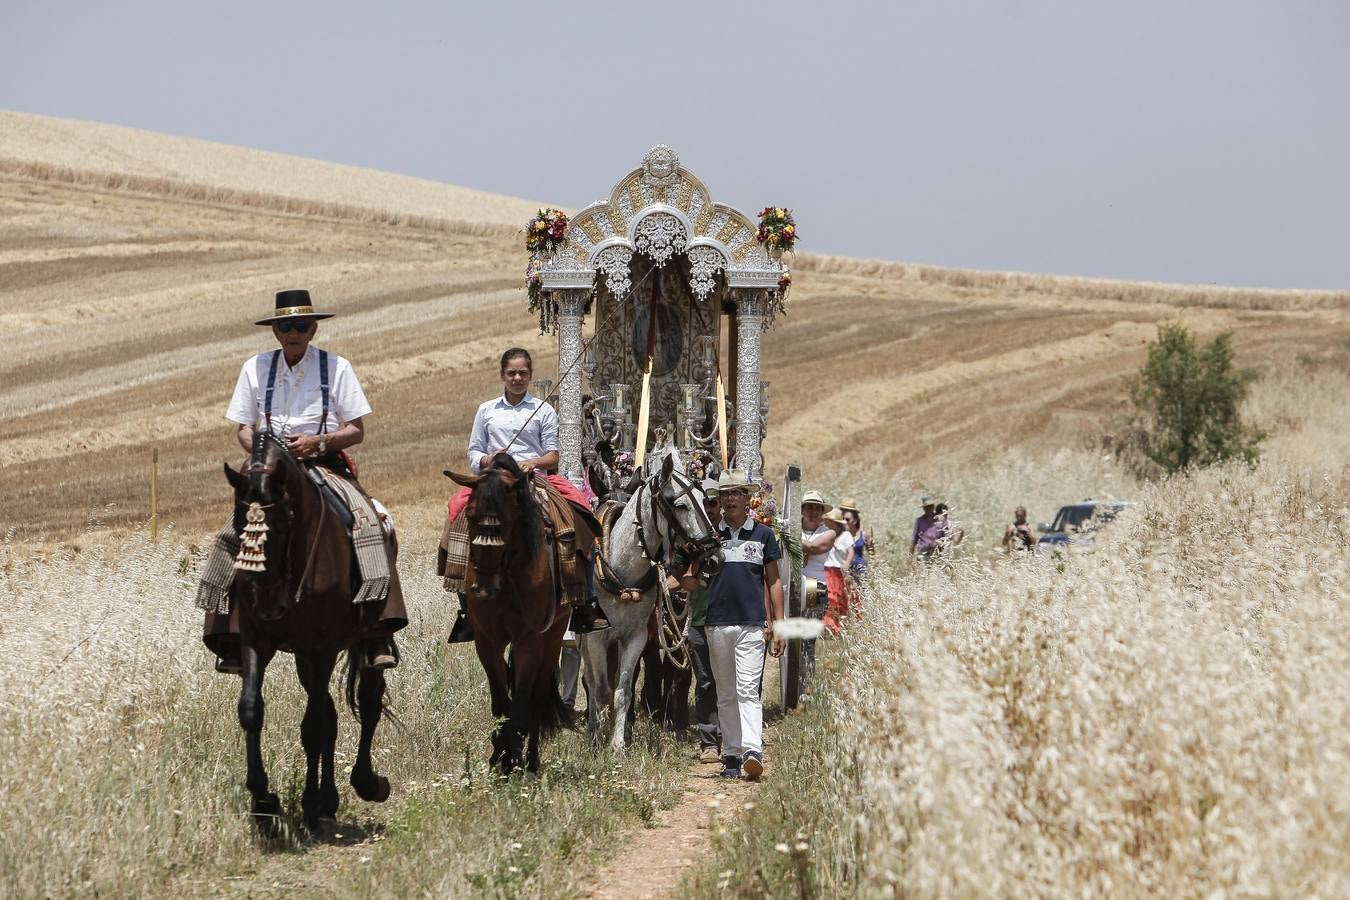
x=552, y=712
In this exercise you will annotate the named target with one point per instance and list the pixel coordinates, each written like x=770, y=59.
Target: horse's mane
x=491, y=496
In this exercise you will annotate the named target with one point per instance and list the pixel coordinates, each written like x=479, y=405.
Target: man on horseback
x=312, y=400
x=524, y=427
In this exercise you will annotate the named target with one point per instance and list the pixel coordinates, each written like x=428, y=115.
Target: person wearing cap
x=705, y=685
x=738, y=623
x=312, y=400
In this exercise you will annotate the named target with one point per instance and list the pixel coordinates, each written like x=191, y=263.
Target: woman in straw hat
x=835, y=561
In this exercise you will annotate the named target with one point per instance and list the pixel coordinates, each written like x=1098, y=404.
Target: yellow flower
x=773, y=239
x=779, y=211
x=789, y=229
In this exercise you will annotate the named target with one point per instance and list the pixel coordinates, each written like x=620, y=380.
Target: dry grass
x=1005, y=283
x=1164, y=716
x=123, y=761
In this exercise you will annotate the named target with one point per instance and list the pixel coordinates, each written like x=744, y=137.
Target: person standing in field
x=835, y=562
x=525, y=427
x=1019, y=535
x=739, y=622
x=928, y=530
x=312, y=400
x=705, y=685
x=855, y=565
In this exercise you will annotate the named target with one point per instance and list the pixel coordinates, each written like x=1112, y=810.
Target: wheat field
x=1172, y=700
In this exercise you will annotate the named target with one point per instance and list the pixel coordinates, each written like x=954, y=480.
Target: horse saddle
x=573, y=530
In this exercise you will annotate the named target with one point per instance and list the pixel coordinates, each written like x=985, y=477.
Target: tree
x=1189, y=397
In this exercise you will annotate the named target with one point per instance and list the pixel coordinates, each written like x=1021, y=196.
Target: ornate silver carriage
x=664, y=272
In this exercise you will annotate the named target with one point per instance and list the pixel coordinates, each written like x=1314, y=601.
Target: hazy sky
x=1175, y=141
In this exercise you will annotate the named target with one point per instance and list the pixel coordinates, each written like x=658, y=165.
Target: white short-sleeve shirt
x=839, y=552
x=497, y=423
x=813, y=566
x=297, y=394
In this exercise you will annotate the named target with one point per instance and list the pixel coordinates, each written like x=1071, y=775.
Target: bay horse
x=514, y=602
x=296, y=596
x=665, y=513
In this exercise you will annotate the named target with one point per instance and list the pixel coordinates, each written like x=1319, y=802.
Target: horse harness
x=605, y=572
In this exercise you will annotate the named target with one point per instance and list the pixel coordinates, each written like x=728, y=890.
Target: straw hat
x=835, y=515
x=710, y=487
x=814, y=497
x=733, y=480
x=848, y=504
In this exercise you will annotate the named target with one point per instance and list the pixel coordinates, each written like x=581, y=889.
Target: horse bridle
x=667, y=508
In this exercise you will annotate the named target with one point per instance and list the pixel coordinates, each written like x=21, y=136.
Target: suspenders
x=271, y=386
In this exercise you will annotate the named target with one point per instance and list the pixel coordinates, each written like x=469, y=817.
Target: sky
x=1202, y=142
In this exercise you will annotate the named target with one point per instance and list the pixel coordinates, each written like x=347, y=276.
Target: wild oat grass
x=123, y=761
x=1164, y=716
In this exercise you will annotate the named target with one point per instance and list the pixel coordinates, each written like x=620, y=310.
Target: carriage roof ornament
x=660, y=210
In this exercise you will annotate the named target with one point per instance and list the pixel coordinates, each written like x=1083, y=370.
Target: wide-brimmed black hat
x=293, y=305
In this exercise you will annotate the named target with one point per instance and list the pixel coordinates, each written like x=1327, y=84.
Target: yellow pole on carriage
x=722, y=420
x=644, y=413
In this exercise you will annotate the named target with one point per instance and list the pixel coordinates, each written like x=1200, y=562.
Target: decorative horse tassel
x=252, y=557
x=489, y=532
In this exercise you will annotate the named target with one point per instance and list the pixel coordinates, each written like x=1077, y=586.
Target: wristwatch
x=323, y=446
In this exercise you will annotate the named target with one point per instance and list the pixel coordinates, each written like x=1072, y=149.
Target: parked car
x=1077, y=523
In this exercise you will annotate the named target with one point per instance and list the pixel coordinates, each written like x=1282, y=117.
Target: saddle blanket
x=370, y=523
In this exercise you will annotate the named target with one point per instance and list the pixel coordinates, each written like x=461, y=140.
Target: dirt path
x=655, y=858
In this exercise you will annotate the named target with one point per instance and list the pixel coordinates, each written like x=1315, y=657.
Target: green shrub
x=1188, y=397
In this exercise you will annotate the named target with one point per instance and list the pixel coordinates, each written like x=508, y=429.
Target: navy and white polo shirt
x=736, y=595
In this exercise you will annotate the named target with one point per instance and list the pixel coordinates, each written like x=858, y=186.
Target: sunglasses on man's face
x=299, y=326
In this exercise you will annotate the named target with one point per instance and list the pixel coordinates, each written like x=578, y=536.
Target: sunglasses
x=709, y=501
x=299, y=326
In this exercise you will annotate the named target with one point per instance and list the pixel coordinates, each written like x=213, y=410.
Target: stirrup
x=587, y=617
x=462, y=631
x=379, y=654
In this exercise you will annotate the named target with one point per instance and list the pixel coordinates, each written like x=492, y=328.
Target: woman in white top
x=835, y=561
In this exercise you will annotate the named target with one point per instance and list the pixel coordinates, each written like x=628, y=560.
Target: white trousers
x=737, y=656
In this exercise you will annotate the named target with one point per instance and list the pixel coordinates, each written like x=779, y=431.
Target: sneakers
x=753, y=764
x=709, y=756
x=732, y=767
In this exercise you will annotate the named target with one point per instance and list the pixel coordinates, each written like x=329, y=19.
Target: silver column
x=571, y=314
x=751, y=309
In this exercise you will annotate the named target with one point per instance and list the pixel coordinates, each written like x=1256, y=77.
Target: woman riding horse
x=517, y=592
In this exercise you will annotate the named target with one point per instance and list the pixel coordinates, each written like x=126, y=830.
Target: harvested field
x=128, y=305
x=1187, y=738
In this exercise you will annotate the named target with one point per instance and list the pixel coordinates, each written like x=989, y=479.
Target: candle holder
x=542, y=387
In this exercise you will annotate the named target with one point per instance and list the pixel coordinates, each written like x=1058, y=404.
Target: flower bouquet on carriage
x=777, y=230
x=764, y=509
x=545, y=232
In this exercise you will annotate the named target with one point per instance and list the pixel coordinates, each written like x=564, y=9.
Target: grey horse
x=665, y=513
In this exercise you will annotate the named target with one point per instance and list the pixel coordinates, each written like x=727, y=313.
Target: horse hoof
x=375, y=791
x=267, y=814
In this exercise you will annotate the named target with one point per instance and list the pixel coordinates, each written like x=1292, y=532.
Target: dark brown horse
x=297, y=597
x=514, y=601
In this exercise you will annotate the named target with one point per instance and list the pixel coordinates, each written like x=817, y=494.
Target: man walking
x=705, y=686
x=739, y=622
